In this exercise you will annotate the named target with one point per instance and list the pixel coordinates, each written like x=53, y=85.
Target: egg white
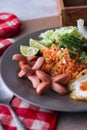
x=75, y=87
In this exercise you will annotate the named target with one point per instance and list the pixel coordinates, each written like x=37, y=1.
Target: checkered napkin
x=33, y=117
x=5, y=43
x=9, y=26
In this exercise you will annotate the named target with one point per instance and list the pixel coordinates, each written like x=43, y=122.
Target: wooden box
x=71, y=10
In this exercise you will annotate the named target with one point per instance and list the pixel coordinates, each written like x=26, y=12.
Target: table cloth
x=9, y=25
x=33, y=117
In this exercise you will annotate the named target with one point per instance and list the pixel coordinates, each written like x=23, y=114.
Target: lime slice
x=28, y=51
x=36, y=44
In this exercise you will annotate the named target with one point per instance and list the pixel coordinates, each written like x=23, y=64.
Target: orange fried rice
x=59, y=61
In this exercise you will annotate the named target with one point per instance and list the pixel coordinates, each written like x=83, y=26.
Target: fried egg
x=78, y=87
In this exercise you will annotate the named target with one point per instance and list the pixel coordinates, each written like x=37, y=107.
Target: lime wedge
x=36, y=44
x=28, y=51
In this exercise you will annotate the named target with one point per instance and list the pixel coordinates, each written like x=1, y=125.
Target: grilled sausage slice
x=38, y=64
x=27, y=69
x=19, y=57
x=43, y=86
x=35, y=81
x=60, y=78
x=43, y=76
x=58, y=88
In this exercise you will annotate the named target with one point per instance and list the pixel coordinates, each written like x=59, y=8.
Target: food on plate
x=78, y=86
x=39, y=62
x=41, y=81
x=35, y=44
x=59, y=62
x=51, y=36
x=28, y=51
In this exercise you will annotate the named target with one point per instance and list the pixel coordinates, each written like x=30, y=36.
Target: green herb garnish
x=74, y=45
x=83, y=55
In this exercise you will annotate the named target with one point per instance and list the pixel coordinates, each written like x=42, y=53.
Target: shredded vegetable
x=51, y=36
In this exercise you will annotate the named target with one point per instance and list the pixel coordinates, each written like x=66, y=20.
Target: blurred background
x=29, y=9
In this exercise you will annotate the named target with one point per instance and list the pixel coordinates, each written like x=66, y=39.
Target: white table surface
x=29, y=9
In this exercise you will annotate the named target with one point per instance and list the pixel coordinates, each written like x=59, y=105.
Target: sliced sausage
x=58, y=88
x=35, y=81
x=31, y=63
x=32, y=58
x=43, y=76
x=38, y=64
x=43, y=86
x=21, y=74
x=27, y=69
x=60, y=78
x=19, y=57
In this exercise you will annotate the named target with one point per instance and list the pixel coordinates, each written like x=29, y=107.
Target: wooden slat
x=68, y=3
x=70, y=14
x=60, y=6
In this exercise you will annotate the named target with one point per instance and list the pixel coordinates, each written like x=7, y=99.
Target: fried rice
x=58, y=61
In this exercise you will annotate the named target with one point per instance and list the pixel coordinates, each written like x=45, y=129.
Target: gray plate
x=23, y=87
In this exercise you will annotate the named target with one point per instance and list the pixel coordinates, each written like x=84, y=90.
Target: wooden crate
x=71, y=10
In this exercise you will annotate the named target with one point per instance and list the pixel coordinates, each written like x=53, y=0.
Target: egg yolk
x=84, y=86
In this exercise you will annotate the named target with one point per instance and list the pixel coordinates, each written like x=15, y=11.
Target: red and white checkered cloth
x=33, y=117
x=9, y=25
x=5, y=43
